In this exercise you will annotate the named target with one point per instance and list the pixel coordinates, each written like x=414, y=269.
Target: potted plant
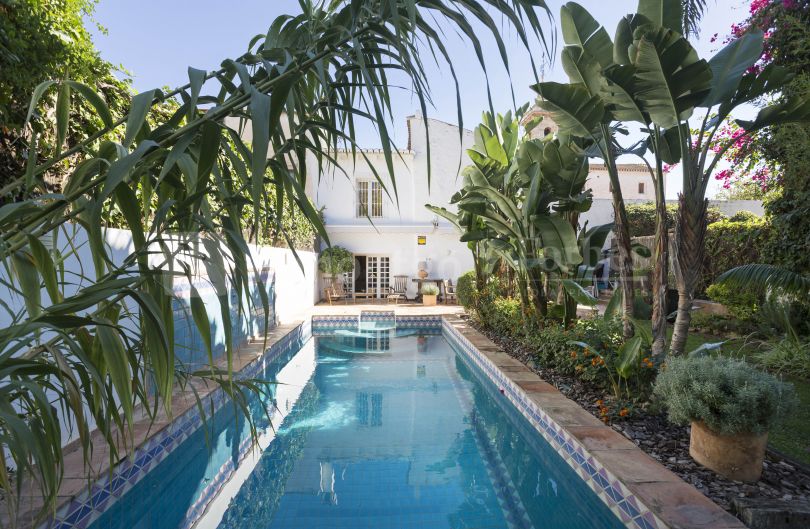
x=335, y=261
x=731, y=406
x=429, y=294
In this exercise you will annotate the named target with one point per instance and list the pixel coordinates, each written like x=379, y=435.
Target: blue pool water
x=378, y=429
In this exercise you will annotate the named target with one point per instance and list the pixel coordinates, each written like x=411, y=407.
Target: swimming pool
x=381, y=428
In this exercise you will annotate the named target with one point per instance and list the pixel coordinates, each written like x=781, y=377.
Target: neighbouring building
x=637, y=184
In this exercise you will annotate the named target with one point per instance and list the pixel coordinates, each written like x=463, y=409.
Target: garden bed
x=669, y=444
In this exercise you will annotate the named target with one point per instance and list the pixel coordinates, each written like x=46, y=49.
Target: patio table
x=419, y=282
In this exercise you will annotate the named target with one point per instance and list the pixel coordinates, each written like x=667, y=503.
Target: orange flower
x=595, y=362
x=623, y=412
x=573, y=354
x=599, y=402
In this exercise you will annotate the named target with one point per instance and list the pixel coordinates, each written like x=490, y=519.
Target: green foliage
x=785, y=148
x=729, y=396
x=742, y=304
x=466, y=290
x=744, y=216
x=788, y=210
x=789, y=355
x=729, y=244
x=335, y=260
x=304, y=87
x=719, y=325
x=429, y=290
x=504, y=315
x=590, y=349
x=641, y=218
x=42, y=40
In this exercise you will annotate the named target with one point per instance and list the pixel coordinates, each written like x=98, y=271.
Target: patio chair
x=449, y=292
x=335, y=292
x=398, y=290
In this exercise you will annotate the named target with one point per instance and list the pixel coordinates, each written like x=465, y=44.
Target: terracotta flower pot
x=738, y=456
x=428, y=299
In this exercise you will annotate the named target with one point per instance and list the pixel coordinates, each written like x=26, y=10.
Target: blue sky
x=157, y=40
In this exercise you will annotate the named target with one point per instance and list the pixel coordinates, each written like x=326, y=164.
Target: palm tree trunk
x=660, y=273
x=539, y=298
x=659, y=283
x=690, y=232
x=625, y=258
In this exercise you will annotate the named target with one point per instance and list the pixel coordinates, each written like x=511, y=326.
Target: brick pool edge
x=639, y=491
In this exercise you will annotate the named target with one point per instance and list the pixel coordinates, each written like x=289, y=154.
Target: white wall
x=395, y=234
x=296, y=291
x=630, y=176
x=601, y=211
x=447, y=257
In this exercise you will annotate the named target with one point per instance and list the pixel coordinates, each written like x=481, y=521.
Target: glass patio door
x=378, y=274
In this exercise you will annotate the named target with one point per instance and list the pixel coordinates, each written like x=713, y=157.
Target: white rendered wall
x=296, y=290
x=447, y=257
x=395, y=234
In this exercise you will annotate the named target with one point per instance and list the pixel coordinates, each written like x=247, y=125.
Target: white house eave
x=421, y=229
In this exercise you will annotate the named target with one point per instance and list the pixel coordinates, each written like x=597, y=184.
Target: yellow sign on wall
x=421, y=240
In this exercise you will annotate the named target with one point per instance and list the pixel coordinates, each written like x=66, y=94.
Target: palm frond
x=179, y=173
x=766, y=278
x=693, y=11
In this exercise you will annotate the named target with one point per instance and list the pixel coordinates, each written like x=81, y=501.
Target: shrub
x=553, y=348
x=790, y=355
x=744, y=216
x=641, y=218
x=741, y=304
x=335, y=261
x=466, y=290
x=729, y=396
x=430, y=290
x=503, y=316
x=720, y=325
x=730, y=244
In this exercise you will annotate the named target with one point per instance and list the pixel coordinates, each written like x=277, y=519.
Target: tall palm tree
x=101, y=344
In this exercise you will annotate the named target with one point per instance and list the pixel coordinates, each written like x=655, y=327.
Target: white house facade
x=389, y=231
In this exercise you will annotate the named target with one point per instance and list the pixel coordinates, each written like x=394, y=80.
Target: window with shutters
x=369, y=199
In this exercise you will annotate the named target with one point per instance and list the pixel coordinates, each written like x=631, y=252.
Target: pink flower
x=758, y=5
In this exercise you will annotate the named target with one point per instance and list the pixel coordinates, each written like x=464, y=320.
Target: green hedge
x=641, y=218
x=730, y=244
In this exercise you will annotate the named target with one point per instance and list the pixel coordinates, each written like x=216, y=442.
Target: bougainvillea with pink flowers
x=749, y=172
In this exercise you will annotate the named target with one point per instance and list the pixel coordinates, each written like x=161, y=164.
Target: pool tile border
x=324, y=323
x=638, y=503
x=87, y=506
x=631, y=501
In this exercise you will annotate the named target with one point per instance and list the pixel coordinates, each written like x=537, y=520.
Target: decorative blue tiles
x=91, y=503
x=83, y=509
x=610, y=490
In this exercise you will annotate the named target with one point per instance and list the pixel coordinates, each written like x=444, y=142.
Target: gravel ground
x=669, y=444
